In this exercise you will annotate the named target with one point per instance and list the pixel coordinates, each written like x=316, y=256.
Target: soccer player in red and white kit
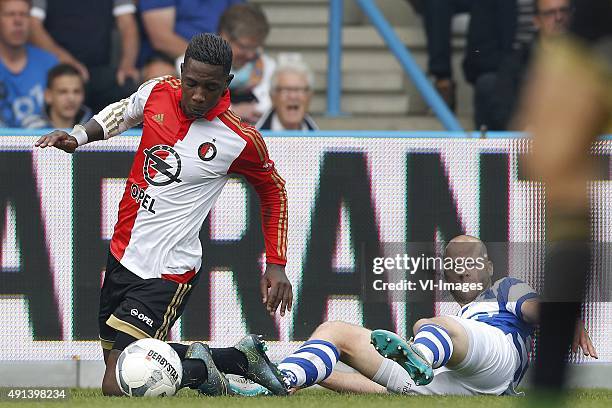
x=191, y=143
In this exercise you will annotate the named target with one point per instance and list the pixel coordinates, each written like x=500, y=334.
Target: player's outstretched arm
x=110, y=121
x=530, y=311
x=69, y=142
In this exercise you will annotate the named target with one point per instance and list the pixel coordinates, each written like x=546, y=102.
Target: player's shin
x=393, y=377
x=194, y=370
x=230, y=360
x=311, y=363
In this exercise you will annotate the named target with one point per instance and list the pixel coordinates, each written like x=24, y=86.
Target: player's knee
x=329, y=328
x=419, y=323
x=448, y=324
x=338, y=333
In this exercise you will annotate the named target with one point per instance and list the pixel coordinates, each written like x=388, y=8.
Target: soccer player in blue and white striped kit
x=482, y=350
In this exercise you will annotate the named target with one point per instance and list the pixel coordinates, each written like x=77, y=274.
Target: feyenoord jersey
x=178, y=173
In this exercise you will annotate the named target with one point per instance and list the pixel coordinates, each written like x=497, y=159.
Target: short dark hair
x=244, y=20
x=61, y=70
x=210, y=49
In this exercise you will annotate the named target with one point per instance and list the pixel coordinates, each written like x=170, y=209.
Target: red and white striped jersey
x=178, y=172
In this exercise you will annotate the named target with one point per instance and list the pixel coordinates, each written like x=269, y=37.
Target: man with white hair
x=291, y=92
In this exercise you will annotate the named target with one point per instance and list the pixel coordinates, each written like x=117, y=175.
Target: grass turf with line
x=91, y=398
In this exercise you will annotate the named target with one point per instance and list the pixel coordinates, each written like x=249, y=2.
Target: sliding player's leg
x=351, y=382
x=468, y=357
x=438, y=341
x=314, y=361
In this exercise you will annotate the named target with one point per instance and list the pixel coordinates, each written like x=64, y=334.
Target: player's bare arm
x=276, y=289
x=68, y=142
x=111, y=121
x=530, y=310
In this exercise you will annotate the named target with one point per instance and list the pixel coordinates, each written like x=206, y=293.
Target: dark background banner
x=348, y=199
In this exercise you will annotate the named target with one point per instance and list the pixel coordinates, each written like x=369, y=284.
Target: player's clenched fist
x=58, y=139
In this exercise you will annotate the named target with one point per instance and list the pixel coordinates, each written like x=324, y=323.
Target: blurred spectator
x=438, y=16
x=23, y=67
x=64, y=98
x=490, y=37
x=292, y=89
x=552, y=18
x=170, y=24
x=246, y=27
x=79, y=32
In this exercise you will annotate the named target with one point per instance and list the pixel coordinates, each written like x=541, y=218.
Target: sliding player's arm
x=530, y=309
x=530, y=313
x=111, y=121
x=255, y=165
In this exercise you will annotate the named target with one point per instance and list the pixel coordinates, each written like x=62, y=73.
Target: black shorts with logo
x=140, y=307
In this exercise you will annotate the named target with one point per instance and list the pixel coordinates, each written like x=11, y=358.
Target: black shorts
x=142, y=308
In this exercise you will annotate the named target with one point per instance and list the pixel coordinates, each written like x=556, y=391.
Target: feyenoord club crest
x=207, y=151
x=162, y=165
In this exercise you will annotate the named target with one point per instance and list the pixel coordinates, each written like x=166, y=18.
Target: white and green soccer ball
x=149, y=368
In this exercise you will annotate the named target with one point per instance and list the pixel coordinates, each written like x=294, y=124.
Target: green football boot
x=261, y=370
x=392, y=346
x=246, y=388
x=216, y=384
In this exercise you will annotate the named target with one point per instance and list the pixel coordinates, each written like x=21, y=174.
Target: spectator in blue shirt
x=170, y=24
x=23, y=67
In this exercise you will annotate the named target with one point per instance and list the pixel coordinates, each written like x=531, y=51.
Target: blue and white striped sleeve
x=518, y=293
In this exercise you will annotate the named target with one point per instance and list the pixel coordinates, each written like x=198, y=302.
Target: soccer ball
x=149, y=368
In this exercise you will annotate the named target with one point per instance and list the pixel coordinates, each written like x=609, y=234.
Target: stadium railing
x=395, y=45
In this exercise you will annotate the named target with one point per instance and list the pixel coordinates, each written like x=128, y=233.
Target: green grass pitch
x=312, y=399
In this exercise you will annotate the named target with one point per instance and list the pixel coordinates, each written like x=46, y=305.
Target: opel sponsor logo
x=141, y=316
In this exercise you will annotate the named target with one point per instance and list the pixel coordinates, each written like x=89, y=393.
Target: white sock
x=392, y=376
x=426, y=352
